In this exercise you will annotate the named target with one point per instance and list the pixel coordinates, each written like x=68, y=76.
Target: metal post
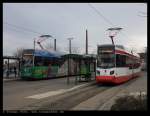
x=54, y=44
x=70, y=46
x=86, y=42
x=8, y=68
x=112, y=39
x=95, y=67
x=69, y=60
x=89, y=62
x=68, y=71
x=34, y=53
x=19, y=68
x=79, y=69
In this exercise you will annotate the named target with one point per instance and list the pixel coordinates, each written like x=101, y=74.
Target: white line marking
x=52, y=93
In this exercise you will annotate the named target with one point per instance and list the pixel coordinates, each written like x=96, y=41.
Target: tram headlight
x=112, y=72
x=98, y=72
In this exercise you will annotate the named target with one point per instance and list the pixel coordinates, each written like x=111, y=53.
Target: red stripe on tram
x=116, y=80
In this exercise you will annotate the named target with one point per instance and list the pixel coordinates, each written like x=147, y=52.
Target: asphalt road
x=16, y=92
x=56, y=94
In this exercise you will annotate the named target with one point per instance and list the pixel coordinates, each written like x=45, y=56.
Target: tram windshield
x=41, y=58
x=27, y=60
x=106, y=58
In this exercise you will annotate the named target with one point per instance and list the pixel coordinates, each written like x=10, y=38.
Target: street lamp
x=69, y=59
x=70, y=44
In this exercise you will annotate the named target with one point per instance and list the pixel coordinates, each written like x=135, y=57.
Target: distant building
x=142, y=56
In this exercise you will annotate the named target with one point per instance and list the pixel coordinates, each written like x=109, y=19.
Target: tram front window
x=27, y=61
x=106, y=60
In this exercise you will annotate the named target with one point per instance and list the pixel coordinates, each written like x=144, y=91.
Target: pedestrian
x=15, y=71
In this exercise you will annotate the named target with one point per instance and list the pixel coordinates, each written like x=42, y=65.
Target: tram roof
x=79, y=56
x=120, y=47
x=72, y=55
x=89, y=56
x=111, y=45
x=44, y=53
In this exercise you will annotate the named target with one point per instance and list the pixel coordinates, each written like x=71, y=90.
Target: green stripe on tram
x=34, y=72
x=39, y=72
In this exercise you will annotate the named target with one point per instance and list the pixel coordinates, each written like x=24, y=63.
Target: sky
x=23, y=22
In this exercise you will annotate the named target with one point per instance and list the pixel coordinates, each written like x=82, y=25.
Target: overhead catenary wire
x=19, y=27
x=22, y=29
x=105, y=19
x=101, y=15
x=16, y=30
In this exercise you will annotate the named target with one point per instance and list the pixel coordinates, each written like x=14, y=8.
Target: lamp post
x=54, y=44
x=33, y=51
x=86, y=49
x=70, y=44
x=69, y=59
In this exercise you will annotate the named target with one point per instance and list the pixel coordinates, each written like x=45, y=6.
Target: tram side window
x=120, y=60
x=136, y=64
x=38, y=61
x=132, y=63
x=27, y=61
x=42, y=61
x=129, y=61
x=46, y=62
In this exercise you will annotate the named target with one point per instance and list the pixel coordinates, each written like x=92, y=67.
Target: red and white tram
x=116, y=65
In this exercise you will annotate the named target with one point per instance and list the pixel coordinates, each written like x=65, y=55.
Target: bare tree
x=133, y=50
x=18, y=52
x=74, y=49
x=94, y=51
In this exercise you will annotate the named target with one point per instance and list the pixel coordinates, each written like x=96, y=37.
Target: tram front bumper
x=105, y=79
